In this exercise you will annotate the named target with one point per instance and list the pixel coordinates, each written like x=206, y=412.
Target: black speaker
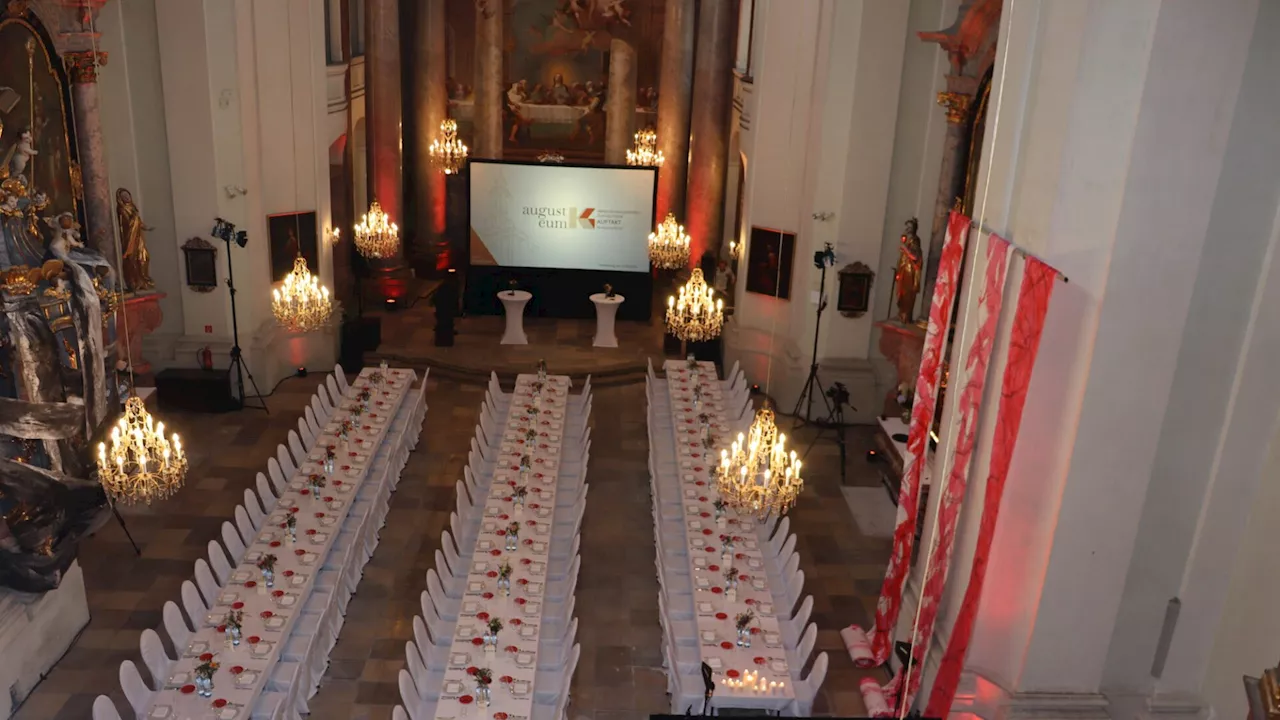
x=195, y=390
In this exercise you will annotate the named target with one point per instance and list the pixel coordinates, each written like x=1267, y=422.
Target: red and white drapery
x=872, y=648
x=1024, y=343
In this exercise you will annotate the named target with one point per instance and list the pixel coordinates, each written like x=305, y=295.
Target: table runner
x=269, y=617
x=705, y=537
x=514, y=663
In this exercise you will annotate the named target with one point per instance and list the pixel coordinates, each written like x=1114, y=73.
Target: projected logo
x=568, y=218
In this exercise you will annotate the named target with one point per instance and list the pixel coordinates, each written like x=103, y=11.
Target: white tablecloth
x=514, y=665
x=705, y=538
x=269, y=615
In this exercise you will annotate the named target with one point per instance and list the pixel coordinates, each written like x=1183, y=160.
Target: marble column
x=709, y=140
x=431, y=107
x=383, y=103
x=620, y=107
x=675, y=86
x=487, y=117
x=91, y=144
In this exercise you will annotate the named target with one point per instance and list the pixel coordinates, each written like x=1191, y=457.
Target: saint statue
x=908, y=273
x=136, y=264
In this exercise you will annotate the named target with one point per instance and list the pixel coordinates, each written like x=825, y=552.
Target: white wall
x=823, y=115
x=137, y=156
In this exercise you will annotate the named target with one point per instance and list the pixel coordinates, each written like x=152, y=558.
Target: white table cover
x=714, y=612
x=269, y=616
x=514, y=665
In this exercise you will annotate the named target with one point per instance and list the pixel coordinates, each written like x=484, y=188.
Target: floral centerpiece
x=742, y=623
x=267, y=564
x=504, y=571
x=530, y=435
x=330, y=457
x=491, y=635
x=484, y=678
x=513, y=536
x=511, y=287
x=521, y=492
x=365, y=396
x=691, y=363
x=526, y=466
x=316, y=482
x=542, y=370
x=204, y=675
x=345, y=428
x=697, y=397
x=608, y=291
x=233, y=623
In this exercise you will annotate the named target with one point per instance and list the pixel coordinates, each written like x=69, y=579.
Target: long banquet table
x=514, y=663
x=705, y=538
x=271, y=615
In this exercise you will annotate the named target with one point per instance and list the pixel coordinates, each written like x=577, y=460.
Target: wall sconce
x=234, y=191
x=823, y=216
x=333, y=235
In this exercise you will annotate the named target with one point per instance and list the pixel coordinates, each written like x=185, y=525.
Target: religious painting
x=36, y=139
x=556, y=58
x=770, y=254
x=292, y=234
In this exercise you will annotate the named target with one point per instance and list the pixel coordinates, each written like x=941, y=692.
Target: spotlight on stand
x=227, y=233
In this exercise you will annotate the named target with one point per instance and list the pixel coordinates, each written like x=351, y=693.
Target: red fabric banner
x=880, y=638
x=972, y=378
x=1028, y=324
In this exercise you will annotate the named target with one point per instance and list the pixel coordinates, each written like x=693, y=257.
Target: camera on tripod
x=226, y=231
x=825, y=257
x=839, y=395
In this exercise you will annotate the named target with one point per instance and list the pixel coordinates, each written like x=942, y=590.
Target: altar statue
x=22, y=244
x=136, y=263
x=907, y=275
x=21, y=153
x=67, y=247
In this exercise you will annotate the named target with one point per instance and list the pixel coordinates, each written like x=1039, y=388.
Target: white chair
x=134, y=689
x=297, y=448
x=244, y=525
x=325, y=401
x=266, y=497
x=427, y=681
x=104, y=709
x=412, y=700
x=287, y=466
x=804, y=648
x=305, y=432
x=254, y=508
x=219, y=562
x=176, y=627
x=335, y=395
x=191, y=602
x=795, y=586
x=807, y=688
x=232, y=540
x=318, y=411
x=313, y=423
x=341, y=377
x=279, y=481
x=547, y=683
x=206, y=582
x=397, y=713
x=153, y=656
x=791, y=627
x=456, y=563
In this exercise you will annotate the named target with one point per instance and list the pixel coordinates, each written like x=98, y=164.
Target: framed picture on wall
x=770, y=255
x=290, y=234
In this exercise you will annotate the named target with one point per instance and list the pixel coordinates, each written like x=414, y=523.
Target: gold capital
x=957, y=105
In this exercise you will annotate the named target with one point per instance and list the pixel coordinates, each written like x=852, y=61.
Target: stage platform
x=408, y=339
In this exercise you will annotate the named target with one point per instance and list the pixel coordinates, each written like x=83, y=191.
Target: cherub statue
x=67, y=247
x=22, y=152
x=617, y=9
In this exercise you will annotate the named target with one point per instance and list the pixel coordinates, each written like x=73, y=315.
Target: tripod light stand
x=226, y=232
x=821, y=260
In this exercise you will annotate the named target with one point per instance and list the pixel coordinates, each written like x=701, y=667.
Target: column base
x=980, y=698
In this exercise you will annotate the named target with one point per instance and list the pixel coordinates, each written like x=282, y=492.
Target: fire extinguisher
x=205, y=356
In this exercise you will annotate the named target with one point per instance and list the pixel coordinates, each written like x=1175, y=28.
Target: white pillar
x=1220, y=419
x=1087, y=102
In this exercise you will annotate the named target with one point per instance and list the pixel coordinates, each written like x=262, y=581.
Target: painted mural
x=556, y=68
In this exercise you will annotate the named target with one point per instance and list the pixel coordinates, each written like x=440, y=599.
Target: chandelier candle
x=645, y=152
x=757, y=475
x=376, y=236
x=669, y=245
x=695, y=315
x=448, y=153
x=140, y=463
x=301, y=304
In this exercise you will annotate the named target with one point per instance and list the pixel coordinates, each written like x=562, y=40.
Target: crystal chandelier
x=695, y=315
x=301, y=304
x=757, y=475
x=447, y=151
x=376, y=236
x=140, y=464
x=669, y=246
x=645, y=151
